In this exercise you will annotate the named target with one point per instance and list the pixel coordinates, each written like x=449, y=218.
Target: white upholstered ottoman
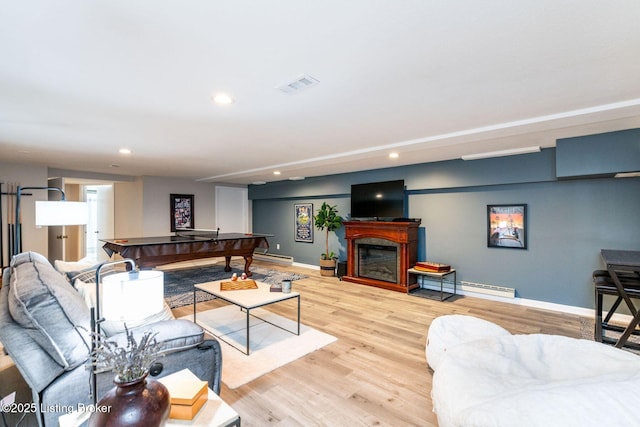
x=505, y=380
x=448, y=331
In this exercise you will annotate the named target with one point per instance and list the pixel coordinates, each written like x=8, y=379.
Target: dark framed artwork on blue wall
x=507, y=226
x=304, y=222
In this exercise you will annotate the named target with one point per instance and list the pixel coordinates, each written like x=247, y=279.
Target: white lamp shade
x=125, y=297
x=61, y=213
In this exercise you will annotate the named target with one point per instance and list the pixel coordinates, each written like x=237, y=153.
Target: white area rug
x=271, y=347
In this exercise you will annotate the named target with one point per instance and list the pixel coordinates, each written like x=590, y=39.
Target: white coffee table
x=246, y=299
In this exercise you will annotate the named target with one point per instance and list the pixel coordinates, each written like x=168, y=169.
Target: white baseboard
x=580, y=311
x=309, y=266
x=544, y=305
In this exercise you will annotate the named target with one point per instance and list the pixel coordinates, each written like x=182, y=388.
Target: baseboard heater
x=481, y=288
x=282, y=259
x=469, y=287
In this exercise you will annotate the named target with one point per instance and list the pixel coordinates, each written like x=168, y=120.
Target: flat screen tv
x=378, y=200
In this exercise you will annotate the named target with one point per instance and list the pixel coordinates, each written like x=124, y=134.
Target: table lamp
x=132, y=296
x=60, y=213
x=49, y=213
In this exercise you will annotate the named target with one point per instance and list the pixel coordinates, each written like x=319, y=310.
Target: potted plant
x=135, y=400
x=327, y=219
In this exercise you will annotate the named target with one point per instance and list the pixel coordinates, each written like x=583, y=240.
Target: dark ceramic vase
x=140, y=403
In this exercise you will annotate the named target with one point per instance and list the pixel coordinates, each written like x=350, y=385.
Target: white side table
x=438, y=276
x=215, y=413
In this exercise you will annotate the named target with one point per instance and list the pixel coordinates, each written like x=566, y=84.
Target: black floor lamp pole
x=9, y=224
x=17, y=239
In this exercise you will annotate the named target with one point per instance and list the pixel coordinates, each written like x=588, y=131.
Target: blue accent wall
x=569, y=221
x=276, y=216
x=598, y=155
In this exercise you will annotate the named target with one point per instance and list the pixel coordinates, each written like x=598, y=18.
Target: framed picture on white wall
x=182, y=211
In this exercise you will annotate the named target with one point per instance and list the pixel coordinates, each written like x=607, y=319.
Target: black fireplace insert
x=378, y=262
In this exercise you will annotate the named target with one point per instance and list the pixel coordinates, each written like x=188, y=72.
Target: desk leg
x=621, y=291
x=598, y=324
x=634, y=312
x=227, y=263
x=627, y=332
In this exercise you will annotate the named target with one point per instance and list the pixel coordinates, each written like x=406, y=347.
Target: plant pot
x=142, y=402
x=327, y=267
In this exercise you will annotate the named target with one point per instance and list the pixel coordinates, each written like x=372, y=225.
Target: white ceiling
x=432, y=80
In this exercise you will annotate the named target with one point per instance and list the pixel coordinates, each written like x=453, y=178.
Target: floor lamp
x=49, y=213
x=128, y=296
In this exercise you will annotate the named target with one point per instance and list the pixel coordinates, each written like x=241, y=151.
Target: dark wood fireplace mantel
x=404, y=234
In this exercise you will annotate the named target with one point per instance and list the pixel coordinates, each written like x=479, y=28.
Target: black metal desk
x=621, y=262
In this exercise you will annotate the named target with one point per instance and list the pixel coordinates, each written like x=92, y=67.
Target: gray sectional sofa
x=45, y=328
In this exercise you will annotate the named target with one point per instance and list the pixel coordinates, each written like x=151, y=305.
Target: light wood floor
x=376, y=374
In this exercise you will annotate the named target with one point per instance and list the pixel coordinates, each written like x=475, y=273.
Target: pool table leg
x=247, y=263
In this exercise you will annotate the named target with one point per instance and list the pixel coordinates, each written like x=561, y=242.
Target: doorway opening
x=100, y=223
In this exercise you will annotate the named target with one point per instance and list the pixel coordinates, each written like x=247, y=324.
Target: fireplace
x=380, y=253
x=378, y=262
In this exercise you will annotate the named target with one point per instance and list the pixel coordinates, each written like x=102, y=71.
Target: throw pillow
x=88, y=275
x=49, y=310
x=70, y=266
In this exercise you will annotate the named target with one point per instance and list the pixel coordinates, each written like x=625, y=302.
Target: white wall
x=141, y=204
x=232, y=209
x=156, y=203
x=128, y=214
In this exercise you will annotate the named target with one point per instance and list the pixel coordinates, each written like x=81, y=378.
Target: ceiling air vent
x=303, y=82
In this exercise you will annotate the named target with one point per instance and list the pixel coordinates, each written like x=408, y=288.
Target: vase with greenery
x=327, y=219
x=135, y=400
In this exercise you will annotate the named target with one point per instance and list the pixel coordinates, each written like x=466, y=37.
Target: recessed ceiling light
x=276, y=172
x=259, y=182
x=394, y=155
x=124, y=151
x=296, y=178
x=222, y=99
